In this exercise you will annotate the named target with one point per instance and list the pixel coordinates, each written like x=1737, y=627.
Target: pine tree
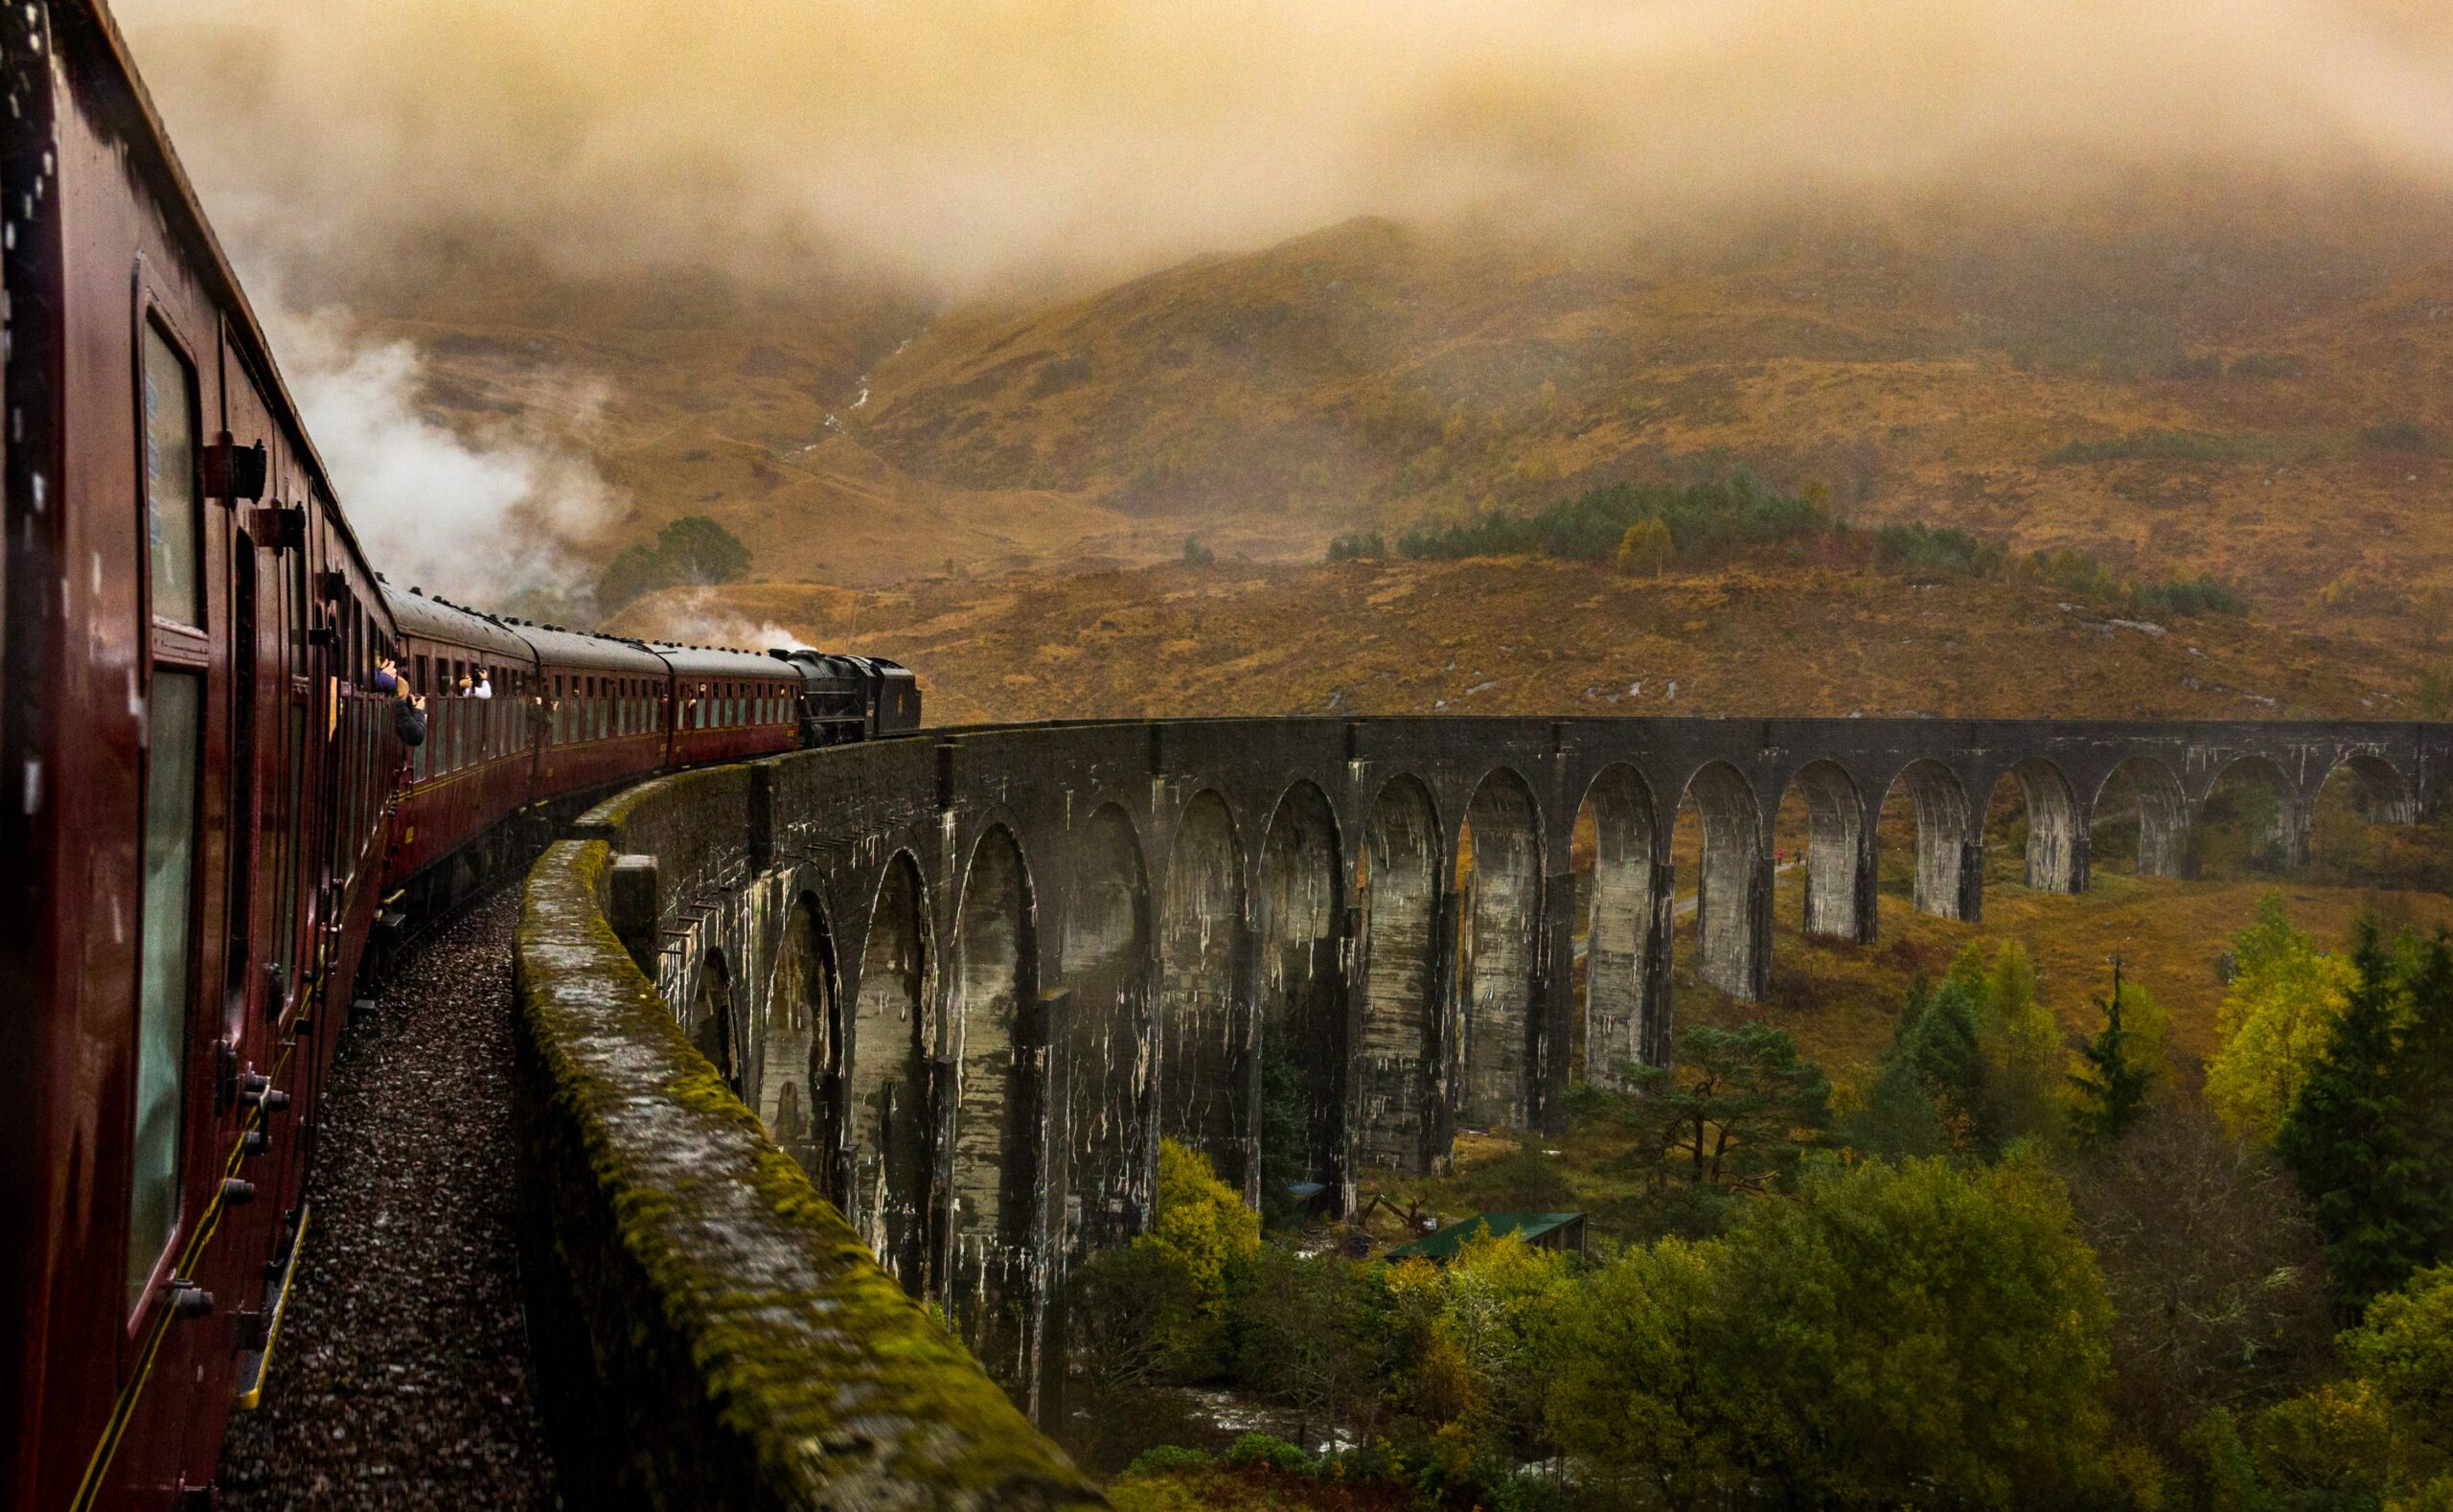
x=2110, y=1081
x=2423, y=1076
x=2348, y=1139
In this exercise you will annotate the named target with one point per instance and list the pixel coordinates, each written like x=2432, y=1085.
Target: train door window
x=175, y=717
x=418, y=757
x=171, y=502
x=293, y=846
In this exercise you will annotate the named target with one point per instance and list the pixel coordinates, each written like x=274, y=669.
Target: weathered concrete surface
x=709, y=1331
x=1053, y=944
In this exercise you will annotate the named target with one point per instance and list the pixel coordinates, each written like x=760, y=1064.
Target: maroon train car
x=195, y=786
x=730, y=706
x=603, y=711
x=480, y=752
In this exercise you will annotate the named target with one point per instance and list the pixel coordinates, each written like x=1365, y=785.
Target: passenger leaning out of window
x=485, y=688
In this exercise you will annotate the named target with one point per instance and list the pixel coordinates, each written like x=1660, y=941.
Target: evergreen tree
x=1735, y=1113
x=2348, y=1139
x=2423, y=1074
x=2109, y=1086
x=1927, y=1099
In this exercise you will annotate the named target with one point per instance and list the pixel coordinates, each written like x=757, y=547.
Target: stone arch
x=800, y=1051
x=887, y=1143
x=2056, y=856
x=995, y=1167
x=2250, y=806
x=1204, y=1028
x=1300, y=927
x=1396, y=1092
x=1498, y=886
x=2387, y=796
x=1733, y=904
x=1839, y=892
x=2143, y=791
x=1106, y=1040
x=1612, y=855
x=711, y=1025
x=1945, y=878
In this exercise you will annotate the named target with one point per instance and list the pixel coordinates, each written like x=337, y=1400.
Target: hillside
x=1542, y=638
x=2265, y=393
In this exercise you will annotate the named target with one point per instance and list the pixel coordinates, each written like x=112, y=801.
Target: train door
x=172, y=1164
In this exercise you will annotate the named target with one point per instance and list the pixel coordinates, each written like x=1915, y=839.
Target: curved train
x=207, y=819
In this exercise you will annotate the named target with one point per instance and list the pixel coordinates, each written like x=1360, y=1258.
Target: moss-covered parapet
x=710, y=1330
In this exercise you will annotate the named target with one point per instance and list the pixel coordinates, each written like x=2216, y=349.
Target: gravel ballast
x=403, y=1376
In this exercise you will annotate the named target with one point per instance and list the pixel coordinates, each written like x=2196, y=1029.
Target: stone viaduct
x=969, y=979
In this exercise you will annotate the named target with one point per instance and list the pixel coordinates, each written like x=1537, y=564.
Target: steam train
x=208, y=815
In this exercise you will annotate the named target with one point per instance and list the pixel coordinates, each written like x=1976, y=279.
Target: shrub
x=1269, y=1450
x=1925, y=551
x=2396, y=435
x=1703, y=519
x=1367, y=546
x=1167, y=1460
x=1196, y=554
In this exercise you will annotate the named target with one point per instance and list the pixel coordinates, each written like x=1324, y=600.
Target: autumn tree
x=2018, y=1045
x=2215, y=1275
x=1204, y=1223
x=1645, y=549
x=1637, y=1393
x=2274, y=1023
x=1805, y=1355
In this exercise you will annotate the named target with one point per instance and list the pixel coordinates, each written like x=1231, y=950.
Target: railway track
x=401, y=1375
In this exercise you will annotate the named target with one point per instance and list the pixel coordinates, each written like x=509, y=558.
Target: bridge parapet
x=710, y=1330
x=969, y=979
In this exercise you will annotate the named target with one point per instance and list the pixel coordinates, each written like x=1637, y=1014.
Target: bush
x=1367, y=546
x=1196, y=554
x=1167, y=1460
x=1268, y=1450
x=2080, y=572
x=1924, y=551
x=2396, y=435
x=1703, y=519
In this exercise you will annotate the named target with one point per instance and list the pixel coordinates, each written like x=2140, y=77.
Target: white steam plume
x=693, y=617
x=484, y=520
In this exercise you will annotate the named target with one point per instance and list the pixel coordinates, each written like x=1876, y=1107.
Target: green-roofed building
x=1563, y=1232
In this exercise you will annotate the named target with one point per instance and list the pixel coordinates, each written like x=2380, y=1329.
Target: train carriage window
x=175, y=716
x=171, y=501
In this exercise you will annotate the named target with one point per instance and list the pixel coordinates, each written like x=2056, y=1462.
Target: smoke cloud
x=694, y=617
x=965, y=144
x=482, y=518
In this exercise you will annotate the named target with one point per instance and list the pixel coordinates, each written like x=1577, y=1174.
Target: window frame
x=185, y=650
